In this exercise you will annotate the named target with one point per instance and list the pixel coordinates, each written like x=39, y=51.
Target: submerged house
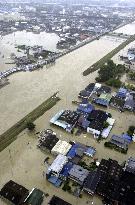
x=14, y=193
x=78, y=174
x=129, y=102
x=104, y=99
x=130, y=165
x=119, y=141
x=61, y=147
x=91, y=182
x=57, y=165
x=66, y=119
x=97, y=119
x=35, y=197
x=58, y=201
x=48, y=140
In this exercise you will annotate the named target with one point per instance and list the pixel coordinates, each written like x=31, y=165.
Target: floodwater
x=8, y=42
x=128, y=29
x=123, y=52
x=28, y=89
x=24, y=162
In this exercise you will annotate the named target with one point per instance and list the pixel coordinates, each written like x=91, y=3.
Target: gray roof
x=130, y=166
x=129, y=103
x=78, y=173
x=91, y=182
x=119, y=141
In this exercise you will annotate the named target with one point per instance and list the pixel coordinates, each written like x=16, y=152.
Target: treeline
x=103, y=60
x=110, y=74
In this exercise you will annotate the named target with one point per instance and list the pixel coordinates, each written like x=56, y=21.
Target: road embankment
x=103, y=60
x=11, y=134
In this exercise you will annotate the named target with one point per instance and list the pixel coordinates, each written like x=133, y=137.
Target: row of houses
x=97, y=122
x=17, y=194
x=62, y=169
x=124, y=99
x=48, y=141
x=109, y=180
x=29, y=67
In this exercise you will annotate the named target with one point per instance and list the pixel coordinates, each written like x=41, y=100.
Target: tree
x=110, y=71
x=114, y=82
x=132, y=76
x=30, y=126
x=131, y=130
x=106, y=124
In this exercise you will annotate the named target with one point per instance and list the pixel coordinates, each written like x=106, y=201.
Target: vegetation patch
x=92, y=166
x=66, y=186
x=107, y=57
x=131, y=130
x=110, y=74
x=115, y=147
x=132, y=76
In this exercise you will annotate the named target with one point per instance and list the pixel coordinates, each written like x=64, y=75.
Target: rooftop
x=130, y=166
x=119, y=141
x=78, y=174
x=35, y=197
x=58, y=201
x=58, y=164
x=14, y=192
x=61, y=147
x=91, y=182
x=48, y=140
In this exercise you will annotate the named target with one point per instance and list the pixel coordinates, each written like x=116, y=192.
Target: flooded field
x=128, y=29
x=28, y=89
x=8, y=42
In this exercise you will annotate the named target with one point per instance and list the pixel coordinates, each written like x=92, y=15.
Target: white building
x=61, y=147
x=57, y=164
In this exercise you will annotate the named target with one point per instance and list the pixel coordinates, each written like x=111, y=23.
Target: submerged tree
x=110, y=71
x=30, y=126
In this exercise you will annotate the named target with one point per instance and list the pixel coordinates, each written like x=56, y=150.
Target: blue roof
x=102, y=102
x=90, y=151
x=85, y=123
x=72, y=151
x=86, y=108
x=122, y=92
x=55, y=181
x=84, y=101
x=126, y=137
x=58, y=183
x=66, y=169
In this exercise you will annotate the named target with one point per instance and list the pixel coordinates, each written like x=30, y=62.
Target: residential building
x=14, y=193
x=78, y=174
x=58, y=201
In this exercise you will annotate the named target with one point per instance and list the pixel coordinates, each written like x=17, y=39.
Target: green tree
x=110, y=71
x=114, y=82
x=30, y=126
x=131, y=130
